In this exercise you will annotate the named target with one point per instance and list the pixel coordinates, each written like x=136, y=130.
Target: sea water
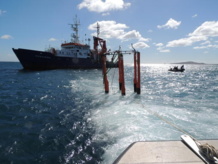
x=64, y=116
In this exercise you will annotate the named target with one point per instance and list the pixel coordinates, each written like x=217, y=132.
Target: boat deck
x=156, y=152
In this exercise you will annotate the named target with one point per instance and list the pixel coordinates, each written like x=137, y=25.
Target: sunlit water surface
x=64, y=116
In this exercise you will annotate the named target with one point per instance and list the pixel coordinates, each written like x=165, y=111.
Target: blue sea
x=64, y=116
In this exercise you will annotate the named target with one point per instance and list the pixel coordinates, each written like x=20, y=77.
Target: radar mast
x=75, y=36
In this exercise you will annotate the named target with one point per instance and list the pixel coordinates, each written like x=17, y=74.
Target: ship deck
x=156, y=152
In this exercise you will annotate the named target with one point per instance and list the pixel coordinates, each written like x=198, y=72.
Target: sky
x=163, y=31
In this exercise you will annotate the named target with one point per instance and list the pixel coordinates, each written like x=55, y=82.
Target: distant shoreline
x=189, y=62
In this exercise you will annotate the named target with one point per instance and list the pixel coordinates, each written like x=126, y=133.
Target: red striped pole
x=104, y=72
x=135, y=71
x=123, y=89
x=138, y=85
x=121, y=75
x=120, y=71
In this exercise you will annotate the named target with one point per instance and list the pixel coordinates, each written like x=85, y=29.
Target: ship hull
x=40, y=60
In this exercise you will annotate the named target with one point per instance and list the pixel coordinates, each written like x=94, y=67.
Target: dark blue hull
x=178, y=70
x=40, y=60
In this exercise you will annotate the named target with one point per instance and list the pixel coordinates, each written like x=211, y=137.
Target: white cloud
x=161, y=47
x=130, y=35
x=112, y=29
x=186, y=41
x=200, y=47
x=144, y=39
x=6, y=37
x=206, y=42
x=207, y=46
x=109, y=29
x=103, y=5
x=202, y=33
x=2, y=12
x=133, y=35
x=106, y=14
x=171, y=23
x=140, y=45
x=159, y=44
x=52, y=40
x=209, y=29
x=194, y=15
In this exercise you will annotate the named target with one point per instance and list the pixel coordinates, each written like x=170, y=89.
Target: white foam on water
x=122, y=120
x=126, y=121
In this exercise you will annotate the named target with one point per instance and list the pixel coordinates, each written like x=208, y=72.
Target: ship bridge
x=75, y=50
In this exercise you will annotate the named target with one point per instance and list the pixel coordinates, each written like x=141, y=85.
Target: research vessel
x=72, y=55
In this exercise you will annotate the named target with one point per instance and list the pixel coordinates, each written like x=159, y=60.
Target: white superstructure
x=74, y=48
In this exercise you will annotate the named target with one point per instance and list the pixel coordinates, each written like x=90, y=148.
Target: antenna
x=98, y=29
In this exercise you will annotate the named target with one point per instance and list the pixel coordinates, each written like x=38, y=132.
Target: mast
x=75, y=36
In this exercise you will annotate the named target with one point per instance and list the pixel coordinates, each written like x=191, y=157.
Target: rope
x=208, y=151
x=166, y=121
